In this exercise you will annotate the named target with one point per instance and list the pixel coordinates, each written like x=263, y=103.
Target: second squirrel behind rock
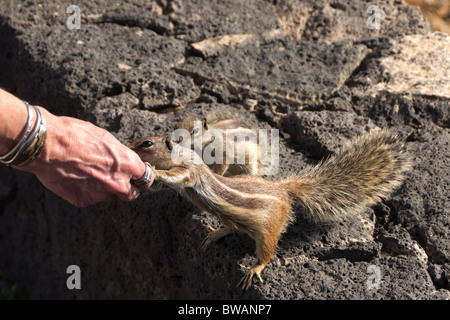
x=229, y=129
x=363, y=172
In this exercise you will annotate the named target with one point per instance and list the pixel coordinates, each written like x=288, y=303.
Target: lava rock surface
x=313, y=70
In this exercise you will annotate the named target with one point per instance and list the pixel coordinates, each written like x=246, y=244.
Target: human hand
x=85, y=164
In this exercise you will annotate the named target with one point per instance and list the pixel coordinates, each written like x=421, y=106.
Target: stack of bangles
x=31, y=143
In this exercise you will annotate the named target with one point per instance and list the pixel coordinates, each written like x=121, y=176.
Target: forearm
x=79, y=161
x=13, y=121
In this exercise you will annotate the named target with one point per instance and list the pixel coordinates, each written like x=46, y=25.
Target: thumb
x=144, y=176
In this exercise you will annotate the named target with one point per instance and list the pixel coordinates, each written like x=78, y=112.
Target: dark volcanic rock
x=168, y=90
x=196, y=20
x=399, y=241
x=399, y=278
x=400, y=110
x=135, y=67
x=356, y=251
x=147, y=15
x=323, y=132
x=423, y=205
x=94, y=63
x=296, y=70
x=440, y=275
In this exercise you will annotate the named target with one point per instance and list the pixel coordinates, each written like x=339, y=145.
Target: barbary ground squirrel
x=364, y=171
x=228, y=129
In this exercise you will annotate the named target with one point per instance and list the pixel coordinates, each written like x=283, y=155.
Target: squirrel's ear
x=205, y=124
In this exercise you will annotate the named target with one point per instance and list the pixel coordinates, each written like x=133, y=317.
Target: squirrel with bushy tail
x=364, y=171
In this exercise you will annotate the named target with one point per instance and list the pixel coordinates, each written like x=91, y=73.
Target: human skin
x=80, y=162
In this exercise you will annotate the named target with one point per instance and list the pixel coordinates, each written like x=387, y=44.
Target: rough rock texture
x=417, y=65
x=270, y=67
x=311, y=69
x=334, y=20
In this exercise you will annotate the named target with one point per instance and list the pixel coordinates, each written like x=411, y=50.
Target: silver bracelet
x=14, y=151
x=34, y=145
x=31, y=147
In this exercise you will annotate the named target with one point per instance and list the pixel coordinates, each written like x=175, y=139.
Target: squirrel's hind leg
x=215, y=235
x=265, y=249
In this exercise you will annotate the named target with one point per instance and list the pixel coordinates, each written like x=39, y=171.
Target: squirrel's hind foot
x=246, y=280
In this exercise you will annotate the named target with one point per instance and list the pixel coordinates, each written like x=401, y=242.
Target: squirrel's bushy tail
x=367, y=169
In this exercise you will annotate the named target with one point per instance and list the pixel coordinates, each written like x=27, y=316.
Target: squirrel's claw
x=246, y=280
x=208, y=239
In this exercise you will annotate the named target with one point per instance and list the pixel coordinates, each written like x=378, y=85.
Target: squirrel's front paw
x=154, y=171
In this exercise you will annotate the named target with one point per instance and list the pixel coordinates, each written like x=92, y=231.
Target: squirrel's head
x=163, y=153
x=154, y=150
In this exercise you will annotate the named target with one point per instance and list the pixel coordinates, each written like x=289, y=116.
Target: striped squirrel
x=228, y=128
x=363, y=172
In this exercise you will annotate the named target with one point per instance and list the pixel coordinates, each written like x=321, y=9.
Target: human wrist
x=53, y=124
x=13, y=116
x=31, y=142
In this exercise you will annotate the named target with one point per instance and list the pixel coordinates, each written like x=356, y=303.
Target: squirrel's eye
x=146, y=144
x=196, y=130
